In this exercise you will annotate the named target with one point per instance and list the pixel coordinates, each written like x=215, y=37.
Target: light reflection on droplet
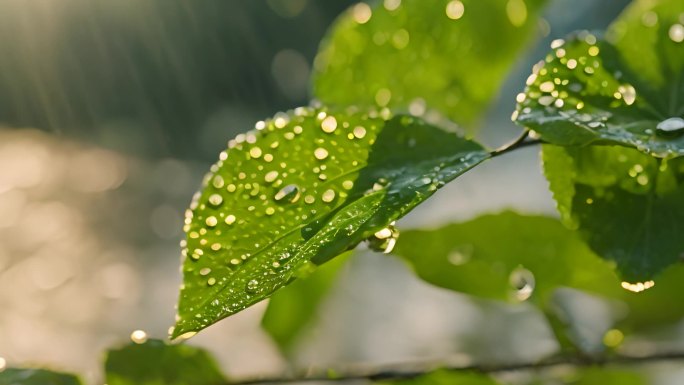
x=139, y=337
x=361, y=13
x=676, y=33
x=455, y=10
x=329, y=124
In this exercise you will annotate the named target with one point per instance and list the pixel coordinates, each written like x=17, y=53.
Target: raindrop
x=215, y=199
x=320, y=153
x=523, y=283
x=211, y=221
x=187, y=335
x=455, y=10
x=676, y=33
x=139, y=337
x=211, y=281
x=290, y=193
x=271, y=176
x=329, y=124
x=230, y=219
x=671, y=127
x=252, y=286
x=384, y=240
x=328, y=196
x=359, y=132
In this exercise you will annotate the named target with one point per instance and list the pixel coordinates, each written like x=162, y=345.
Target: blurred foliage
x=13, y=376
x=158, y=363
x=322, y=182
x=413, y=55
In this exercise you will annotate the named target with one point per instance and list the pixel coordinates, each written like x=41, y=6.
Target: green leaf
x=445, y=377
x=14, y=376
x=298, y=191
x=627, y=205
x=158, y=363
x=451, y=56
x=507, y=257
x=291, y=309
x=625, y=90
x=606, y=376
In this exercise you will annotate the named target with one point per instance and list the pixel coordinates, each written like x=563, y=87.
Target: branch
x=403, y=371
x=520, y=142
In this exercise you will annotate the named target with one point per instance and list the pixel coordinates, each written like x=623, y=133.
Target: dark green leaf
x=494, y=256
x=158, y=363
x=291, y=309
x=626, y=90
x=301, y=189
x=448, y=55
x=13, y=376
x=628, y=206
x=606, y=376
x=444, y=377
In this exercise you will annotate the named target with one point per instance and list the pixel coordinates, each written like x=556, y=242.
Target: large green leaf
x=629, y=206
x=626, y=90
x=301, y=189
x=451, y=56
x=291, y=310
x=506, y=256
x=158, y=363
x=487, y=257
x=13, y=376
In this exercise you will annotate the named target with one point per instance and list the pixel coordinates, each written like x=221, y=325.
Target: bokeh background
x=110, y=113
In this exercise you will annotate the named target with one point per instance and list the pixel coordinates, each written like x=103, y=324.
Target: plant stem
x=401, y=371
x=520, y=142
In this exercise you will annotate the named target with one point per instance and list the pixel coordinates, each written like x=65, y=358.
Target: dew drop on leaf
x=289, y=193
x=523, y=283
x=252, y=286
x=671, y=127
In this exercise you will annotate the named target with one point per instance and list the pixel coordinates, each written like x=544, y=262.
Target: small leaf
x=292, y=309
x=445, y=377
x=14, y=376
x=158, y=363
x=628, y=206
x=626, y=90
x=507, y=257
x=298, y=191
x=451, y=56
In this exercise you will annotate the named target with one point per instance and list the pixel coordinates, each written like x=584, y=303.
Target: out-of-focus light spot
x=544, y=27
x=417, y=107
x=3, y=364
x=139, y=337
x=649, y=19
x=676, y=33
x=516, y=10
x=455, y=10
x=400, y=39
x=287, y=8
x=383, y=97
x=392, y=5
x=165, y=221
x=637, y=287
x=97, y=170
x=119, y=281
x=11, y=205
x=362, y=13
x=613, y=338
x=290, y=69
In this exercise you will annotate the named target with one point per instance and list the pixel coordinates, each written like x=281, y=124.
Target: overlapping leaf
x=299, y=190
x=627, y=89
x=451, y=56
x=158, y=363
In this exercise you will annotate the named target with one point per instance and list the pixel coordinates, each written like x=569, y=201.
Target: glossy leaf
x=14, y=376
x=451, y=56
x=444, y=377
x=626, y=90
x=158, y=363
x=627, y=205
x=506, y=257
x=291, y=310
x=300, y=190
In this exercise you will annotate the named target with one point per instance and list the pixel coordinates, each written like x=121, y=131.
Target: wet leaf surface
x=299, y=190
x=13, y=376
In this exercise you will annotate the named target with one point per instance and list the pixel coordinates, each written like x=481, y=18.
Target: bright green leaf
x=606, y=376
x=291, y=309
x=13, y=376
x=158, y=363
x=451, y=56
x=627, y=205
x=298, y=191
x=445, y=377
x=626, y=90
x=506, y=256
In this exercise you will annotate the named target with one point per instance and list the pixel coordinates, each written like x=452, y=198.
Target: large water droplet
x=523, y=283
x=139, y=337
x=384, y=240
x=252, y=286
x=671, y=127
x=289, y=193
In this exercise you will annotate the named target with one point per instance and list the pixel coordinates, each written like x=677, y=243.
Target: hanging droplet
x=671, y=127
x=384, y=240
x=139, y=337
x=523, y=283
x=637, y=287
x=289, y=193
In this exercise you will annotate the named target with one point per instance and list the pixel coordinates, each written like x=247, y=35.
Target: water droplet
x=3, y=364
x=187, y=335
x=255, y=152
x=218, y=181
x=211, y=281
x=637, y=287
x=328, y=196
x=455, y=10
x=139, y=337
x=271, y=176
x=309, y=199
x=211, y=221
x=361, y=13
x=215, y=199
x=290, y=193
x=359, y=132
x=270, y=211
x=384, y=240
x=320, y=153
x=671, y=127
x=676, y=33
x=347, y=184
x=205, y=271
x=523, y=283
x=329, y=124
x=230, y=219
x=252, y=286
